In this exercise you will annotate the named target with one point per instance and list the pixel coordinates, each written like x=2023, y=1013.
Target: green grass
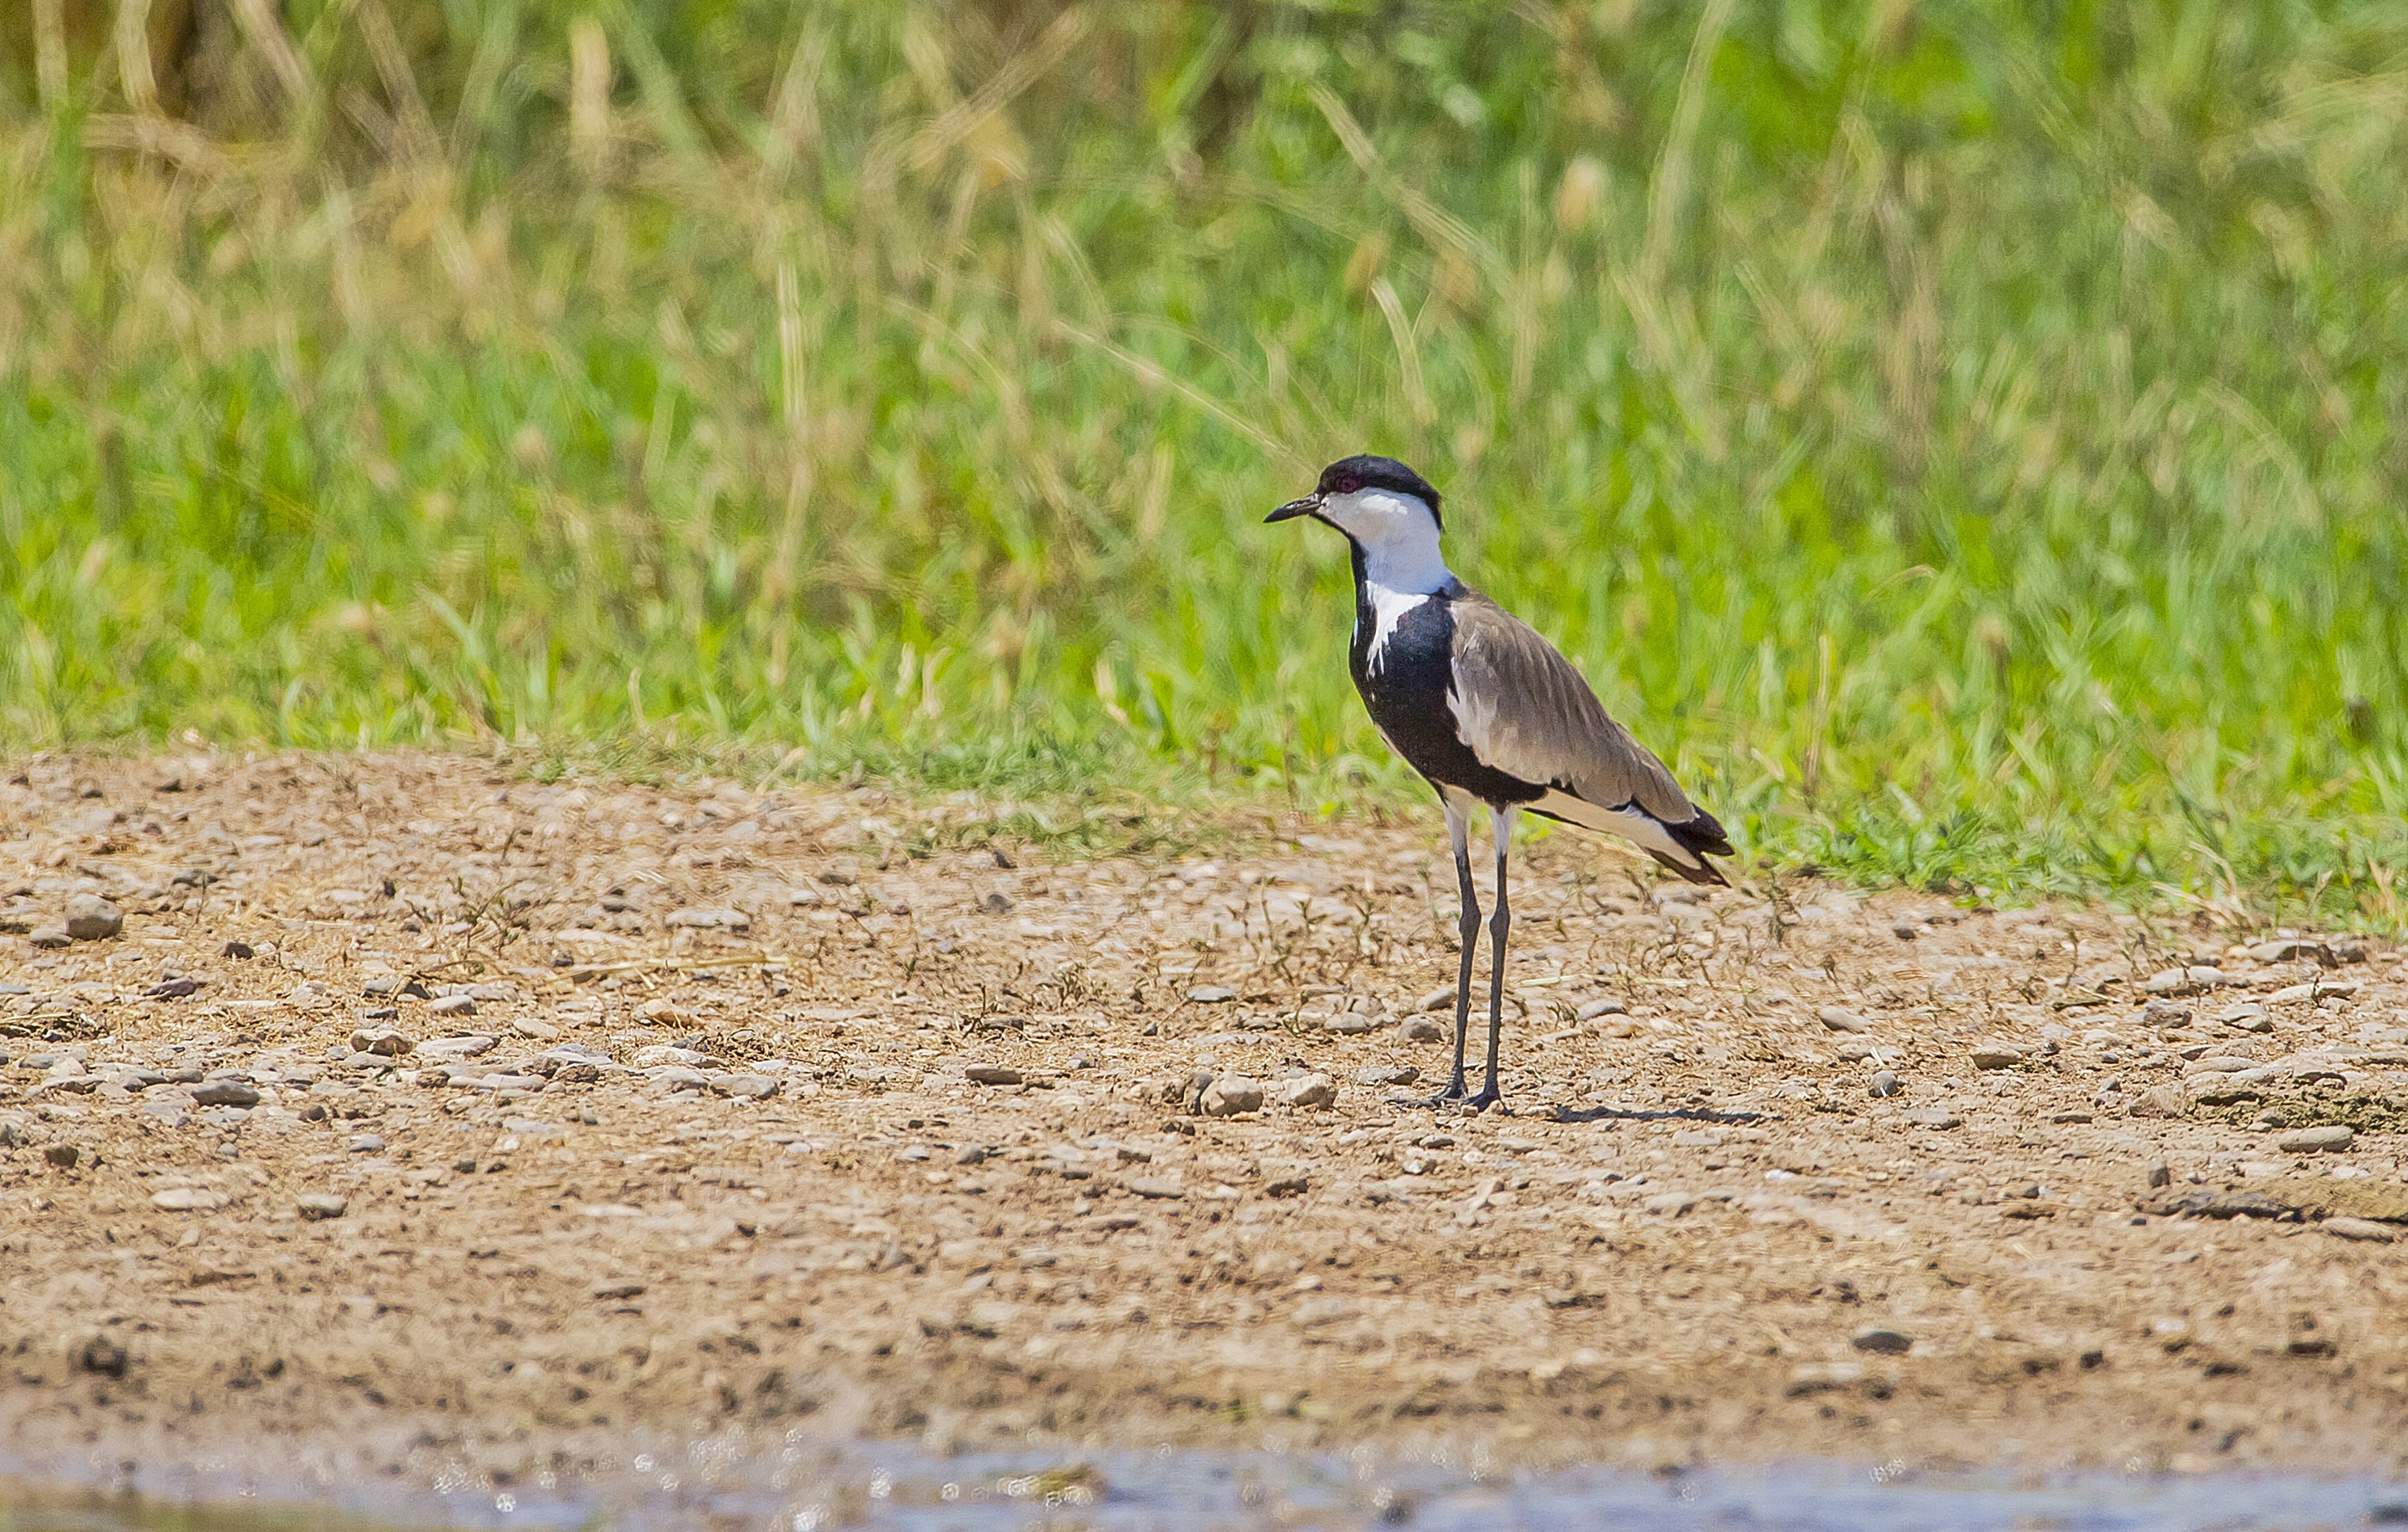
x=1963, y=437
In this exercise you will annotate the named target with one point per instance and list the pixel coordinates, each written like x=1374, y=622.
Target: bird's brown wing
x=1525, y=710
x=1522, y=708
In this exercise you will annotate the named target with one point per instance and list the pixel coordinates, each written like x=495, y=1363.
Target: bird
x=1490, y=713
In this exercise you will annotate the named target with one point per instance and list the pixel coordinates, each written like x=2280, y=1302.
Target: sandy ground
x=1699, y=1235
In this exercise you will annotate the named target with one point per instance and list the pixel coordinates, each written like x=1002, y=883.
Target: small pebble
x=1997, y=1055
x=1230, y=1095
x=1835, y=1019
x=456, y=1048
x=745, y=1086
x=2249, y=1017
x=2188, y=981
x=365, y=1143
x=382, y=1041
x=453, y=1004
x=1437, y=1000
x=1883, y=1341
x=50, y=935
x=2304, y=994
x=1881, y=1085
x=225, y=1093
x=1313, y=1090
x=103, y=1356
x=710, y=920
x=2165, y=1100
x=2284, y=950
x=186, y=1199
x=63, y=1155
x=527, y=1027
x=1589, y=1012
x=1211, y=995
x=92, y=917
x=992, y=1074
x=2329, y=1140
x=2364, y=1229
x=1938, y=1119
x=315, y=1206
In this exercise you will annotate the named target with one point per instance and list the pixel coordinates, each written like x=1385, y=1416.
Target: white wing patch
x=1389, y=608
x=1502, y=744
x=1634, y=825
x=1475, y=722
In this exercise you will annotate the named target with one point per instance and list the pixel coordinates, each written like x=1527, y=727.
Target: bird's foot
x=1489, y=1096
x=1456, y=1095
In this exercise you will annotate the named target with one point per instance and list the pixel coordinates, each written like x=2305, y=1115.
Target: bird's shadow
x=1682, y=1114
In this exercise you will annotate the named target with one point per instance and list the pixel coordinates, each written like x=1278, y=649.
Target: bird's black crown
x=1364, y=471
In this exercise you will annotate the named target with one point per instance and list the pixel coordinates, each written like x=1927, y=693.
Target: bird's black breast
x=1407, y=697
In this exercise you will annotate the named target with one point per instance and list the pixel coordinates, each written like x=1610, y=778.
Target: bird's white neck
x=1396, y=538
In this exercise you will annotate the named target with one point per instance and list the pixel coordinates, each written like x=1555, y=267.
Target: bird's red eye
x=1349, y=484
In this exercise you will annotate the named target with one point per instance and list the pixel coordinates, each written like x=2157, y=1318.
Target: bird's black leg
x=1458, y=829
x=1500, y=923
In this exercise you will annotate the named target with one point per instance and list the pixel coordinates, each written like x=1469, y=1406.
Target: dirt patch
x=2364, y=1112
x=721, y=1107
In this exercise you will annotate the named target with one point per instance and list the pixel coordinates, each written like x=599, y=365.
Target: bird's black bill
x=1295, y=508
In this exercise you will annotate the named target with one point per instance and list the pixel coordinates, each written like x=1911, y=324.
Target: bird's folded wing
x=1523, y=710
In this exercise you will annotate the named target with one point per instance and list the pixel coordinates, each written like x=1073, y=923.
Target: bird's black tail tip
x=1701, y=837
x=1703, y=872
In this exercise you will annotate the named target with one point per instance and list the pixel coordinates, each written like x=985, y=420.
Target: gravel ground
x=405, y=1105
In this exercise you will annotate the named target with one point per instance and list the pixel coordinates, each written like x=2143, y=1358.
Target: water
x=803, y=1486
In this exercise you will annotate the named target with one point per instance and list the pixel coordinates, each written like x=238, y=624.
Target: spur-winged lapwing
x=1488, y=712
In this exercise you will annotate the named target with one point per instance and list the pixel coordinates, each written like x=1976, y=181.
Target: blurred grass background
x=1964, y=436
